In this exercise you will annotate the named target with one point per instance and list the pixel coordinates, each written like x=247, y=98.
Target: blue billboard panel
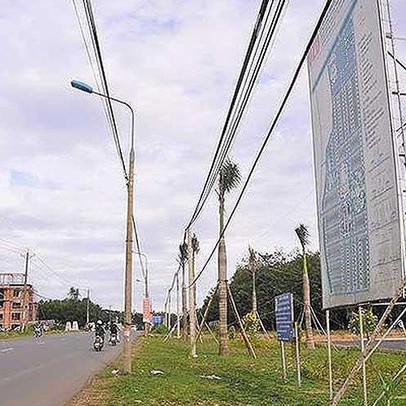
x=284, y=317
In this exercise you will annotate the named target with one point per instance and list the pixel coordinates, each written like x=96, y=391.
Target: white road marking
x=7, y=349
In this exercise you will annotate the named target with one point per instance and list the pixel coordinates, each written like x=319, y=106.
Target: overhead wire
x=108, y=107
x=99, y=59
x=269, y=133
x=244, y=97
x=215, y=164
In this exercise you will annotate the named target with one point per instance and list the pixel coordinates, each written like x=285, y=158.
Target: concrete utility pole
x=87, y=308
x=129, y=232
x=170, y=309
x=146, y=286
x=129, y=263
x=25, y=297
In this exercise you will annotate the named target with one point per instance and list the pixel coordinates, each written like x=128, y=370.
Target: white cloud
x=177, y=62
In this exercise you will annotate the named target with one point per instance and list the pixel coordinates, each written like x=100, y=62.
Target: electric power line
x=269, y=134
x=241, y=96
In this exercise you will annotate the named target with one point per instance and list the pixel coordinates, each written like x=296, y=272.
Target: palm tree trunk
x=192, y=299
x=184, y=303
x=254, y=294
x=222, y=275
x=306, y=301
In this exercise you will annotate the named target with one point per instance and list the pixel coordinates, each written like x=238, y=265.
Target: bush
x=251, y=325
x=369, y=322
x=232, y=333
x=159, y=329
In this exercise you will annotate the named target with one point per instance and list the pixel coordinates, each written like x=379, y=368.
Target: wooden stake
x=243, y=332
x=206, y=313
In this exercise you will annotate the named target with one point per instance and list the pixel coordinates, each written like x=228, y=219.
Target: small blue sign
x=284, y=317
x=157, y=318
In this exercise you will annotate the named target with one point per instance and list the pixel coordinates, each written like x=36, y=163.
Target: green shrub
x=369, y=322
x=159, y=329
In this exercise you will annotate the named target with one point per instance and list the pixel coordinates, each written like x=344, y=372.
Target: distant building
x=17, y=306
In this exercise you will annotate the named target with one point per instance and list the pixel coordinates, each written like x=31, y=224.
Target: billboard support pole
x=299, y=378
x=364, y=372
x=283, y=360
x=330, y=366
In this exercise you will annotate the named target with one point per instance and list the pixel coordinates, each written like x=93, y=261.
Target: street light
x=146, y=292
x=129, y=233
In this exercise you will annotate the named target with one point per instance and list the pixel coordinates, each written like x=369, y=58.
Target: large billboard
x=355, y=163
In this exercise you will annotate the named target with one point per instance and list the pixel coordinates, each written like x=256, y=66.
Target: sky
x=62, y=191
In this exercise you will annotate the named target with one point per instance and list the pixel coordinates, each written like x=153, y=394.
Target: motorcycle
x=98, y=343
x=38, y=332
x=113, y=339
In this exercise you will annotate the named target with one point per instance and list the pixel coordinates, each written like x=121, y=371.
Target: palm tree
x=252, y=264
x=229, y=179
x=182, y=258
x=194, y=250
x=303, y=235
x=73, y=293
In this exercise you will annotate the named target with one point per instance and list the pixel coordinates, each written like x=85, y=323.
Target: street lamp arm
x=128, y=106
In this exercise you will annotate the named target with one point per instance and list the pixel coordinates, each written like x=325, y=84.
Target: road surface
x=48, y=371
x=391, y=343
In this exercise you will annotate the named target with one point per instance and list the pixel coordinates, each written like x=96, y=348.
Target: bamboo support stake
x=243, y=332
x=206, y=313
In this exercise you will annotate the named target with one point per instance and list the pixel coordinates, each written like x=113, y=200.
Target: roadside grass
x=243, y=380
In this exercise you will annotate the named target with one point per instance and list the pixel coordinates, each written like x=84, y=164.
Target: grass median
x=163, y=374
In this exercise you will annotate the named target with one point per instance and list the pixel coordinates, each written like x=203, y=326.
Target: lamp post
x=129, y=233
x=146, y=288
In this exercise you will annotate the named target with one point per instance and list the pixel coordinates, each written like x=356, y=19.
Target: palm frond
x=230, y=176
x=303, y=235
x=183, y=253
x=195, y=244
x=252, y=255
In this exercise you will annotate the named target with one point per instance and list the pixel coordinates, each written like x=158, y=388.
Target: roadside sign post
x=285, y=326
x=283, y=358
x=299, y=378
x=330, y=366
x=364, y=373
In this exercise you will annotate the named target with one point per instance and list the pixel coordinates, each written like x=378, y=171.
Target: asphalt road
x=392, y=344
x=48, y=371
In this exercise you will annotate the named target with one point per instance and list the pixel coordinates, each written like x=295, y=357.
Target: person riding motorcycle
x=100, y=329
x=113, y=329
x=38, y=329
x=114, y=332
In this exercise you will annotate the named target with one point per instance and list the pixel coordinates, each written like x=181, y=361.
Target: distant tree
x=276, y=272
x=73, y=293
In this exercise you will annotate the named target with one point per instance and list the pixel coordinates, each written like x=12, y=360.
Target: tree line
x=74, y=308
x=275, y=273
